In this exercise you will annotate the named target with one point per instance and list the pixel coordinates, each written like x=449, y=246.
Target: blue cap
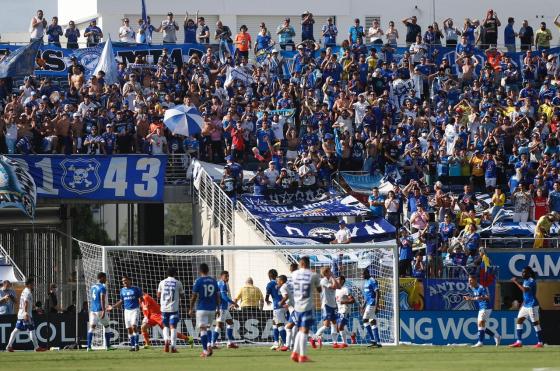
x=341, y=222
x=328, y=136
x=228, y=158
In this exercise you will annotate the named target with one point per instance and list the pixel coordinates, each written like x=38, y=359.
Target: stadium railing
x=518, y=242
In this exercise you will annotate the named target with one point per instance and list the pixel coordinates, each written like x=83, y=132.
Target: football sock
x=334, y=333
x=89, y=338
x=173, y=337
x=489, y=332
x=369, y=332
x=481, y=334
x=204, y=339
x=320, y=331
x=12, y=337
x=282, y=332
x=229, y=333
x=302, y=344
x=288, y=337
x=166, y=334
x=215, y=335
x=275, y=334
x=376, y=333
x=538, y=330
x=519, y=331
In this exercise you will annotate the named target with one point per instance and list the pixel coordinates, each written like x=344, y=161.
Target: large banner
x=545, y=263
x=460, y=327
x=361, y=232
x=526, y=229
x=17, y=188
x=447, y=294
x=335, y=206
x=62, y=330
x=110, y=178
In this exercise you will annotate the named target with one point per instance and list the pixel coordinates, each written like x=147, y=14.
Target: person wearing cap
x=93, y=34
x=169, y=29
x=542, y=229
x=126, y=33
x=286, y=34
x=94, y=143
x=329, y=33
x=343, y=235
x=72, y=33
x=284, y=181
x=307, y=23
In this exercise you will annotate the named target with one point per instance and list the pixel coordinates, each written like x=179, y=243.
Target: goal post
x=146, y=265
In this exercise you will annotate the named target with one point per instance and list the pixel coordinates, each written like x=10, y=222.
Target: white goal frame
x=387, y=245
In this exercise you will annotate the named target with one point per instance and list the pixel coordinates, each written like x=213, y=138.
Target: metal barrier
x=220, y=205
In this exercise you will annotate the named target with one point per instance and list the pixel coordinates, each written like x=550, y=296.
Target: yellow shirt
x=546, y=110
x=477, y=168
x=250, y=296
x=499, y=200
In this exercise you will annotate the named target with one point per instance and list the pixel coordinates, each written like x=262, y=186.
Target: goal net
x=147, y=266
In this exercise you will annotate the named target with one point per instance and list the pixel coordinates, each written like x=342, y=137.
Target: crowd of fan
x=493, y=126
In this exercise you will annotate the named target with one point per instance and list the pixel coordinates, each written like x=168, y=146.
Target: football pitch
x=488, y=358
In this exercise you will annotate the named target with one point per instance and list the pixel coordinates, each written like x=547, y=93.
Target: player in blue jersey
x=226, y=303
x=206, y=296
x=278, y=313
x=481, y=295
x=98, y=311
x=370, y=307
x=530, y=308
x=130, y=297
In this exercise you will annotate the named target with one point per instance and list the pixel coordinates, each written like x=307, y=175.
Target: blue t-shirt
x=356, y=32
x=370, y=288
x=446, y=230
x=490, y=169
x=480, y=291
x=190, y=34
x=530, y=297
x=405, y=248
x=376, y=210
x=554, y=197
x=130, y=296
x=206, y=287
x=262, y=136
x=263, y=41
x=509, y=35
x=96, y=291
x=274, y=292
x=225, y=299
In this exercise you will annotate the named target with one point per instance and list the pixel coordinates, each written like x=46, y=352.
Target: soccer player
x=344, y=300
x=130, y=297
x=24, y=319
x=291, y=326
x=278, y=313
x=304, y=281
x=170, y=291
x=206, y=296
x=98, y=312
x=480, y=294
x=370, y=307
x=152, y=317
x=287, y=302
x=226, y=303
x=530, y=307
x=329, y=285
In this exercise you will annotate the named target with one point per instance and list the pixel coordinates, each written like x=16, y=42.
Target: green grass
x=488, y=358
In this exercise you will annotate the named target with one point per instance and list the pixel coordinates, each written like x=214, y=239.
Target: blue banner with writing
x=546, y=264
x=447, y=294
x=269, y=211
x=109, y=178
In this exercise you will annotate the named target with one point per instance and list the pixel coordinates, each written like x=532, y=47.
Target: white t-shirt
x=126, y=34
x=342, y=294
x=157, y=143
x=36, y=32
x=360, y=111
x=278, y=129
x=26, y=297
x=169, y=31
x=271, y=175
x=328, y=293
x=342, y=235
x=170, y=290
x=287, y=290
x=307, y=174
x=304, y=282
x=375, y=34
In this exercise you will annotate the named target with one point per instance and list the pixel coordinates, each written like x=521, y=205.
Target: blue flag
x=144, y=15
x=21, y=62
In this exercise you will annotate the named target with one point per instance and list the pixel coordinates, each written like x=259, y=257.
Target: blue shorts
x=292, y=317
x=304, y=319
x=170, y=318
x=328, y=313
x=24, y=325
x=342, y=319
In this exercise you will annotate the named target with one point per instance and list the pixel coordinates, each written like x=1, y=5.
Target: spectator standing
x=393, y=207
x=37, y=26
x=521, y=204
x=355, y=32
x=392, y=35
x=329, y=32
x=541, y=204
x=203, y=36
x=52, y=299
x=451, y=33
x=526, y=36
x=54, y=31
x=286, y=34
x=406, y=254
x=145, y=31
x=93, y=34
x=510, y=35
x=169, y=28
x=243, y=42
x=190, y=29
x=376, y=203
x=412, y=30
x=554, y=197
x=223, y=33
x=343, y=235
x=375, y=33
x=7, y=298
x=543, y=37
x=72, y=34
x=126, y=33
x=307, y=23
x=490, y=29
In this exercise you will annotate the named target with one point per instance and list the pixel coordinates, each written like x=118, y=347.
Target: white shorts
x=484, y=315
x=369, y=313
x=131, y=317
x=204, y=318
x=95, y=319
x=224, y=316
x=520, y=217
x=529, y=312
x=279, y=316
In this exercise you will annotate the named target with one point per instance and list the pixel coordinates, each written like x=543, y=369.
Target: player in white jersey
x=329, y=285
x=24, y=319
x=291, y=322
x=287, y=303
x=304, y=282
x=169, y=292
x=344, y=301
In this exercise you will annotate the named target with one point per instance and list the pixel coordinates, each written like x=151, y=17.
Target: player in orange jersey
x=152, y=317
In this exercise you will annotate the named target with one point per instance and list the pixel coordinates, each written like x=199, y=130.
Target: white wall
x=16, y=16
x=112, y=11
